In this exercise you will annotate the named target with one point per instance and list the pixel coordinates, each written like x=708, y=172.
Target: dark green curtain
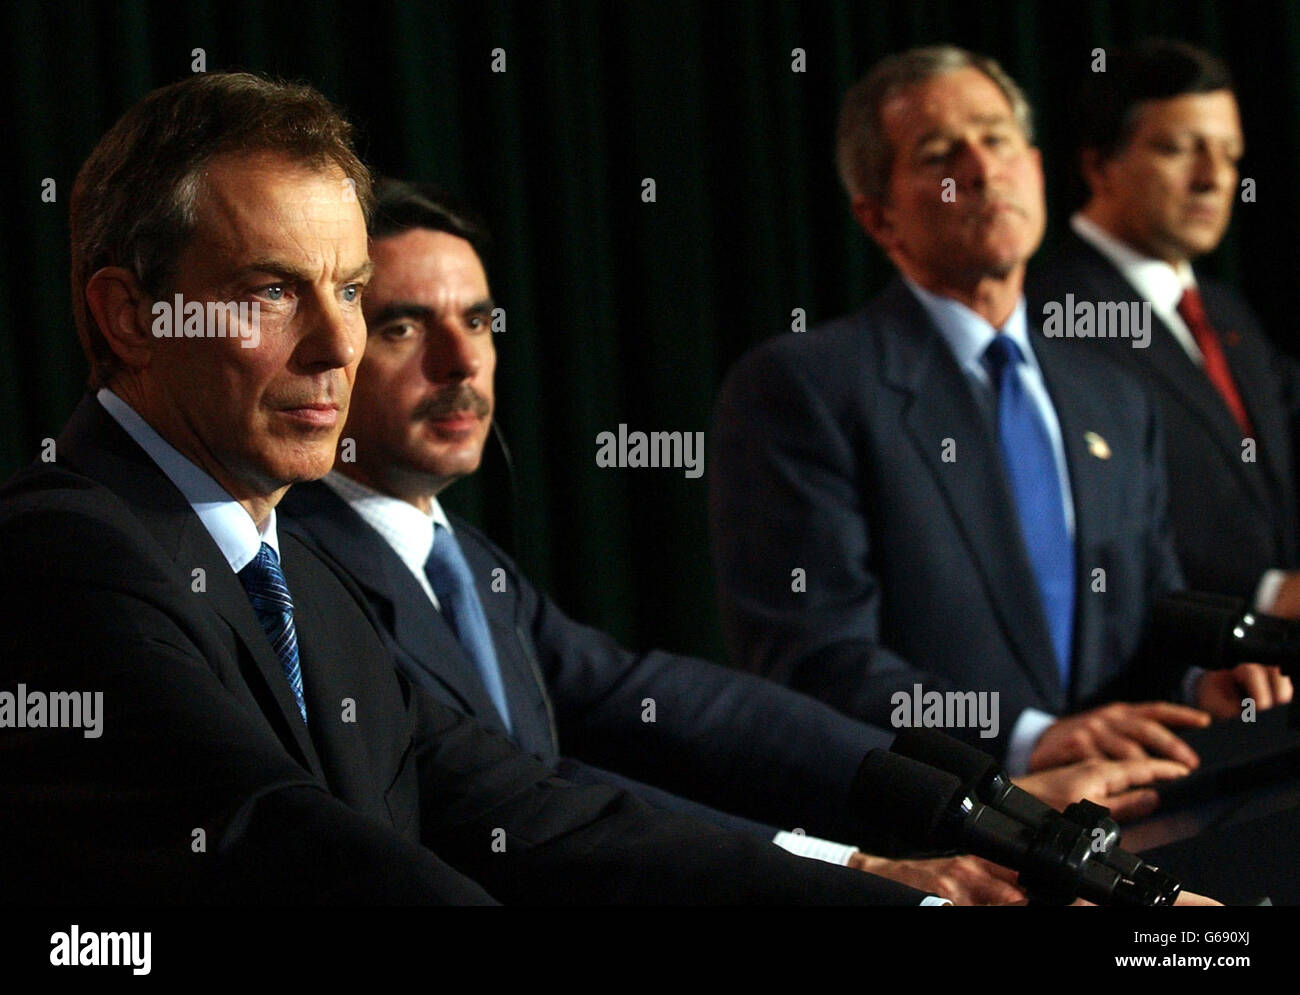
x=618, y=311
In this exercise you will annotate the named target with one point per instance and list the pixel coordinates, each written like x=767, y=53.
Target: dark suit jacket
x=1232, y=519
x=728, y=739
x=110, y=583
x=829, y=458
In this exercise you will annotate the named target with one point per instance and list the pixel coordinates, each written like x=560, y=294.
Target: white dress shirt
x=227, y=521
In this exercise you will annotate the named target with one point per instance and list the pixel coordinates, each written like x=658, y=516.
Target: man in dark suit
x=255, y=742
x=1159, y=139
x=927, y=498
x=419, y=419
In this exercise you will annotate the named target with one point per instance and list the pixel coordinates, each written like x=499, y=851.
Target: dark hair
x=401, y=205
x=1106, y=112
x=134, y=202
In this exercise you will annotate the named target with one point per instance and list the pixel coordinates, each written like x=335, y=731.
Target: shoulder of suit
x=830, y=347
x=61, y=522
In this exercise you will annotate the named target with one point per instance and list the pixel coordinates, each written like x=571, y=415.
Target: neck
x=415, y=489
x=993, y=297
x=258, y=501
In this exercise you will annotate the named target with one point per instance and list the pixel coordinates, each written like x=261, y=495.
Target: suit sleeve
x=530, y=837
x=116, y=818
x=789, y=509
x=725, y=738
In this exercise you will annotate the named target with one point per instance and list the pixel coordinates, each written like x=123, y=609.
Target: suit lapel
x=531, y=714
x=97, y=445
x=1072, y=398
x=1167, y=361
x=420, y=631
x=1254, y=379
x=941, y=405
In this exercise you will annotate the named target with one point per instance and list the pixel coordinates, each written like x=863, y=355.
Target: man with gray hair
x=928, y=500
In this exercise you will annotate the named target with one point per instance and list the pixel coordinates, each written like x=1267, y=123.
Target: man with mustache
x=1159, y=136
x=418, y=422
x=256, y=744
x=928, y=496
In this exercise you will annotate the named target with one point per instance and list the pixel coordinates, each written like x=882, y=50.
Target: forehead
x=268, y=204
x=421, y=262
x=956, y=99
x=1214, y=112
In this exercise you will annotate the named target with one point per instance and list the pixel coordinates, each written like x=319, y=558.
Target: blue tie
x=452, y=582
x=269, y=594
x=1036, y=486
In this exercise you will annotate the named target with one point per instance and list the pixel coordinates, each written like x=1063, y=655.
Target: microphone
x=982, y=778
x=1055, y=859
x=1215, y=631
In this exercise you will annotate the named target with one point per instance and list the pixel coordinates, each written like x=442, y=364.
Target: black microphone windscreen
x=930, y=746
x=1194, y=628
x=912, y=798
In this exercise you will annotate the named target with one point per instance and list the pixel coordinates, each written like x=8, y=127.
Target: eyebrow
x=409, y=309
x=983, y=119
x=295, y=274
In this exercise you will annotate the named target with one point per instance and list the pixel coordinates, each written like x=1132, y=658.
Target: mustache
x=451, y=401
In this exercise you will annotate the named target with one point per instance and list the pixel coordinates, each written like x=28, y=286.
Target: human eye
x=272, y=292
x=399, y=331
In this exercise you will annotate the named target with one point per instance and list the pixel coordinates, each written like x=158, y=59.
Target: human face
x=1169, y=191
x=965, y=194
x=423, y=401
x=289, y=239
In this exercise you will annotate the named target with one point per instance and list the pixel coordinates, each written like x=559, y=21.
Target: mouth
x=313, y=415
x=453, y=422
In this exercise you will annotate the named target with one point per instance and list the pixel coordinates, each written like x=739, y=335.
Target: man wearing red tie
x=1160, y=138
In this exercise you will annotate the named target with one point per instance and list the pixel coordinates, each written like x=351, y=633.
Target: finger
x=1118, y=746
x=1130, y=805
x=996, y=870
x=1284, y=689
x=970, y=874
x=1191, y=898
x=1170, y=714
x=1157, y=740
x=1252, y=681
x=1124, y=774
x=1281, y=685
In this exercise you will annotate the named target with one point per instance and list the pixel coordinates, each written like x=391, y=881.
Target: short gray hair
x=862, y=152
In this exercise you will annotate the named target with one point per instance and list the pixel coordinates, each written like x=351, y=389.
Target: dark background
x=617, y=310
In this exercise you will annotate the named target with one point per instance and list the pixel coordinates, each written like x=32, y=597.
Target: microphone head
x=1195, y=628
x=910, y=801
x=973, y=768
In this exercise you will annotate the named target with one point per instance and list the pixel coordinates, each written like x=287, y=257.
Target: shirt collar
x=1155, y=280
x=968, y=334
x=227, y=521
x=405, y=527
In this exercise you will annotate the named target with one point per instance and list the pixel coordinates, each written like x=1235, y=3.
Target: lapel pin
x=1097, y=445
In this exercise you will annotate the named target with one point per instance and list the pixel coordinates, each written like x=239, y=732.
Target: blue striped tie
x=453, y=583
x=269, y=594
x=1031, y=469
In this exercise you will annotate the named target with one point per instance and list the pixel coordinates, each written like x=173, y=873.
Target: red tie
x=1192, y=312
